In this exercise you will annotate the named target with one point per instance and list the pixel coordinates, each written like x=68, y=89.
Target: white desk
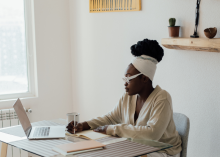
x=15, y=136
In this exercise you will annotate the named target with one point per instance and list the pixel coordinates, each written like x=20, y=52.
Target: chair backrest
x=182, y=126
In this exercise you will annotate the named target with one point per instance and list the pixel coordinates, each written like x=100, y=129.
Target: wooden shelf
x=193, y=44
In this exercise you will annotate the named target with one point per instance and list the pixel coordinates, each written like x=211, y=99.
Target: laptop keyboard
x=41, y=131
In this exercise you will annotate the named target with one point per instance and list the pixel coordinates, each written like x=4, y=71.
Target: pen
x=74, y=122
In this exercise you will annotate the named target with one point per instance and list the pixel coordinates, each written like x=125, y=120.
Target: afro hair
x=148, y=47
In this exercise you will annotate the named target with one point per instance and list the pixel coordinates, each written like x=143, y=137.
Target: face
x=137, y=84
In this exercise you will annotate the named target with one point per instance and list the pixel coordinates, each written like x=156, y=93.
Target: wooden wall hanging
x=100, y=6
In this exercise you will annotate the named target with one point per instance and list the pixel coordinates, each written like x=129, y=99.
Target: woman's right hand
x=78, y=127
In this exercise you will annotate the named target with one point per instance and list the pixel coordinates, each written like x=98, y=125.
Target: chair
x=182, y=126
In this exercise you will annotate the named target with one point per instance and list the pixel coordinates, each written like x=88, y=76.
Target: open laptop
x=38, y=132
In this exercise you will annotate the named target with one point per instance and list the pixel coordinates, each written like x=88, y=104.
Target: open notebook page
x=88, y=134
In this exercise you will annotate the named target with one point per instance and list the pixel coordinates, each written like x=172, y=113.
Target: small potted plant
x=173, y=30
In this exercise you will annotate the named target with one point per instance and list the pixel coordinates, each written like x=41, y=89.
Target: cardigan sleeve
x=153, y=130
x=112, y=118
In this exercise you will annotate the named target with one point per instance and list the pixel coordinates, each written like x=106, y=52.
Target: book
x=72, y=153
x=88, y=134
x=78, y=147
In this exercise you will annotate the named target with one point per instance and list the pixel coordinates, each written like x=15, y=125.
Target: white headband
x=146, y=65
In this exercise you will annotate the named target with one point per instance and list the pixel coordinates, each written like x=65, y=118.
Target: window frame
x=31, y=54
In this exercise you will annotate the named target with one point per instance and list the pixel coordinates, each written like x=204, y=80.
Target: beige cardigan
x=155, y=120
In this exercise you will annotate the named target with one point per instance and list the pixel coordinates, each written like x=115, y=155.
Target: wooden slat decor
x=100, y=6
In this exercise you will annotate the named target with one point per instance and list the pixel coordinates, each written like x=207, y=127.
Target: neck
x=144, y=94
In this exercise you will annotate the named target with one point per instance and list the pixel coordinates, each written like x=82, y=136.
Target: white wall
x=101, y=51
x=53, y=62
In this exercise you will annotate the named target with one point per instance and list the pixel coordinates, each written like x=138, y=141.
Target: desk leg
x=4, y=150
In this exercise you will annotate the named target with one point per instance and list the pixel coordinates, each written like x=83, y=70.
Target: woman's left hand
x=101, y=129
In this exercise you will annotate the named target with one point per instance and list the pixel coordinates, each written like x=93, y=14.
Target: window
x=17, y=49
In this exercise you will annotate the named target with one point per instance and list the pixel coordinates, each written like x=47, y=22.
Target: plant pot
x=174, y=31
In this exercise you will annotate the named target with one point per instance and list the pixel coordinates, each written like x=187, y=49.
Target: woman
x=143, y=112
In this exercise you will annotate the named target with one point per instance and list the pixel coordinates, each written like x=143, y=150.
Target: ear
x=145, y=79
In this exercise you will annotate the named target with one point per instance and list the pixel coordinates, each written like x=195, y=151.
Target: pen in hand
x=78, y=127
x=74, y=123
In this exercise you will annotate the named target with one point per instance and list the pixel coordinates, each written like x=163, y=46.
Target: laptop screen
x=22, y=116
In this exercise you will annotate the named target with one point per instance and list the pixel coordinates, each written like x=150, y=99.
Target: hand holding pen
x=74, y=123
x=78, y=127
x=74, y=127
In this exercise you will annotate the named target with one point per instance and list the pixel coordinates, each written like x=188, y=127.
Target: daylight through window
x=13, y=53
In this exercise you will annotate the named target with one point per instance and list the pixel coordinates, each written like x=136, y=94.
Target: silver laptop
x=38, y=132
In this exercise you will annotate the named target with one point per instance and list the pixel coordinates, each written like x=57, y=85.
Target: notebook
x=78, y=147
x=88, y=134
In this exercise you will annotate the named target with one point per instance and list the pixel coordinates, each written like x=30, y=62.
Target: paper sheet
x=88, y=134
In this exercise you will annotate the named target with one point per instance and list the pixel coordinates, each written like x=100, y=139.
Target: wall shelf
x=193, y=44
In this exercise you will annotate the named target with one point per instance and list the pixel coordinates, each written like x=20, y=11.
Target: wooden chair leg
x=4, y=150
